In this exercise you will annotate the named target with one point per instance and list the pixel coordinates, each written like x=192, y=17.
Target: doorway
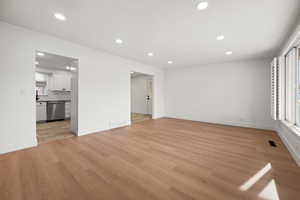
x=141, y=97
x=56, y=89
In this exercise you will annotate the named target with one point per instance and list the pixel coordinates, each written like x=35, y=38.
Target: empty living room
x=150, y=100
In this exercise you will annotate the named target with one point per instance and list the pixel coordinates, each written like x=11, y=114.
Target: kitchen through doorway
x=141, y=97
x=56, y=89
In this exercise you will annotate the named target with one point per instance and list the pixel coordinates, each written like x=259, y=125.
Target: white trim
x=290, y=85
x=246, y=124
x=282, y=87
x=20, y=147
x=153, y=79
x=293, y=128
x=294, y=42
x=102, y=131
x=296, y=86
x=281, y=132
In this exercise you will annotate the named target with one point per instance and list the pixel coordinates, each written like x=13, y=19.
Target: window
x=298, y=88
x=289, y=85
x=292, y=87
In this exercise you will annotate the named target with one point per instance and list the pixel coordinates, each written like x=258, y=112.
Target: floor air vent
x=272, y=143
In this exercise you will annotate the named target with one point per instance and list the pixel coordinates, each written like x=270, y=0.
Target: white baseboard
x=20, y=147
x=111, y=126
x=246, y=124
x=87, y=132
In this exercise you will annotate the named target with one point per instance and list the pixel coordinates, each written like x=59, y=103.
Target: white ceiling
x=171, y=29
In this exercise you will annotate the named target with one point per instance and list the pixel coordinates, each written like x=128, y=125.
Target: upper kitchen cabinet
x=41, y=77
x=61, y=82
x=41, y=83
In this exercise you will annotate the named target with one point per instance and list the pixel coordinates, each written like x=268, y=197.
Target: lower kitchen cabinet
x=68, y=110
x=41, y=111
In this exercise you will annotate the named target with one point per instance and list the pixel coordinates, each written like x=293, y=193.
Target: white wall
x=230, y=93
x=104, y=86
x=139, y=92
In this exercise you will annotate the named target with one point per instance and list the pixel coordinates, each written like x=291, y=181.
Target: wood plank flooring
x=50, y=131
x=165, y=159
x=138, y=117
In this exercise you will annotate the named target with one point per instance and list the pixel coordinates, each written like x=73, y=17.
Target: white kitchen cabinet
x=41, y=77
x=61, y=82
x=68, y=110
x=41, y=111
x=41, y=83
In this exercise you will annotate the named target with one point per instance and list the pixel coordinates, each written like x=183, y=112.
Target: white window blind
x=275, y=89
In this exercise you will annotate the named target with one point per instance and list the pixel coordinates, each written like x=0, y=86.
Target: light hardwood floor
x=165, y=159
x=138, y=117
x=50, y=131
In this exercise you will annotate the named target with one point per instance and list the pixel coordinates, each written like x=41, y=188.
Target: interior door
x=149, y=96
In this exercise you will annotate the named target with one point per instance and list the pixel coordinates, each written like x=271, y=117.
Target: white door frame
x=74, y=100
x=153, y=92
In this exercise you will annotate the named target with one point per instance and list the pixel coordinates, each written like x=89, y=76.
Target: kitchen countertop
x=52, y=100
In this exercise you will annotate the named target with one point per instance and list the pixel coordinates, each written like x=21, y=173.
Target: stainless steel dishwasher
x=55, y=110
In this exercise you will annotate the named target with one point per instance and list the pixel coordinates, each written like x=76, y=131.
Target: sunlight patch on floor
x=251, y=181
x=270, y=191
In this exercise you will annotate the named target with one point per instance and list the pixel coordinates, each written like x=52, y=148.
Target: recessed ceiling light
x=119, y=41
x=68, y=68
x=202, y=5
x=36, y=62
x=59, y=16
x=150, y=54
x=170, y=62
x=40, y=54
x=228, y=53
x=220, y=37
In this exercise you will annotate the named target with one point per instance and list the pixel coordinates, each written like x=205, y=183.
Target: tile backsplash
x=56, y=95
